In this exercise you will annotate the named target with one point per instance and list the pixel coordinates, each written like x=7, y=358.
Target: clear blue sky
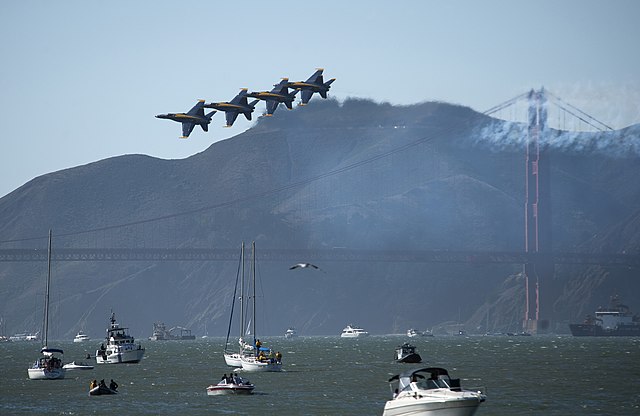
x=82, y=80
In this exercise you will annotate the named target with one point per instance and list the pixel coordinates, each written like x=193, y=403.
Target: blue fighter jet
x=234, y=107
x=189, y=120
x=280, y=94
x=315, y=83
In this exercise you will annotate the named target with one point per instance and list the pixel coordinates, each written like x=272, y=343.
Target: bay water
x=537, y=375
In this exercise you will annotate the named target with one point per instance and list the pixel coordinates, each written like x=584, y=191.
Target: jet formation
x=241, y=105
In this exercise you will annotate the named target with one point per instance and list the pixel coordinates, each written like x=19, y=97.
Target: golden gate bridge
x=537, y=257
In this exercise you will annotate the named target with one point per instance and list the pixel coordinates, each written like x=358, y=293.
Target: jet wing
x=231, y=117
x=306, y=96
x=187, y=128
x=272, y=106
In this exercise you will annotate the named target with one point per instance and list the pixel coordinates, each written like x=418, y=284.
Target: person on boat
x=102, y=383
x=258, y=345
x=93, y=385
x=278, y=357
x=113, y=385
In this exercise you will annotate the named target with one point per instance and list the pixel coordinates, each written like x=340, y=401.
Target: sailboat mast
x=242, y=293
x=46, y=296
x=253, y=270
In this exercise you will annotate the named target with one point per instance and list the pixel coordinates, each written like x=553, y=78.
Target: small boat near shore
x=233, y=384
x=430, y=391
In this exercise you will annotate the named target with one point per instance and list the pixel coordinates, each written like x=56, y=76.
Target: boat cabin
x=424, y=379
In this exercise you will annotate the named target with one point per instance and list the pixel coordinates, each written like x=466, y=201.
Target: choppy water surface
x=543, y=375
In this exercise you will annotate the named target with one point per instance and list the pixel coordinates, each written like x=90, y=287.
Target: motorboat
x=23, y=337
x=77, y=366
x=101, y=390
x=430, y=391
x=412, y=333
x=81, y=337
x=121, y=347
x=49, y=366
x=351, y=331
x=261, y=358
x=233, y=384
x=406, y=353
x=290, y=333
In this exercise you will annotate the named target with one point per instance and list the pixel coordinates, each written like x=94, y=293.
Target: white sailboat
x=233, y=358
x=263, y=358
x=49, y=366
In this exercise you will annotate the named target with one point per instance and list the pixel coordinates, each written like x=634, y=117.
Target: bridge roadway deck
x=320, y=255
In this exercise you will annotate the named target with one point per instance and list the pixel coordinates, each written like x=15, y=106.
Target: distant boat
x=351, y=331
x=614, y=321
x=412, y=333
x=290, y=333
x=23, y=337
x=81, y=337
x=120, y=348
x=160, y=333
x=49, y=366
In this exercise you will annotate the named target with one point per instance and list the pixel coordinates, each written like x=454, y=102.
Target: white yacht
x=430, y=391
x=120, y=348
x=81, y=337
x=353, y=332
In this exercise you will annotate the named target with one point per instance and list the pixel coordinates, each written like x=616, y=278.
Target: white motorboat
x=81, y=337
x=290, y=333
x=120, y=348
x=412, y=333
x=430, y=391
x=353, y=332
x=77, y=366
x=23, y=337
x=49, y=366
x=263, y=358
x=233, y=384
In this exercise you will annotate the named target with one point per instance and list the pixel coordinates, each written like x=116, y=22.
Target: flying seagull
x=303, y=266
